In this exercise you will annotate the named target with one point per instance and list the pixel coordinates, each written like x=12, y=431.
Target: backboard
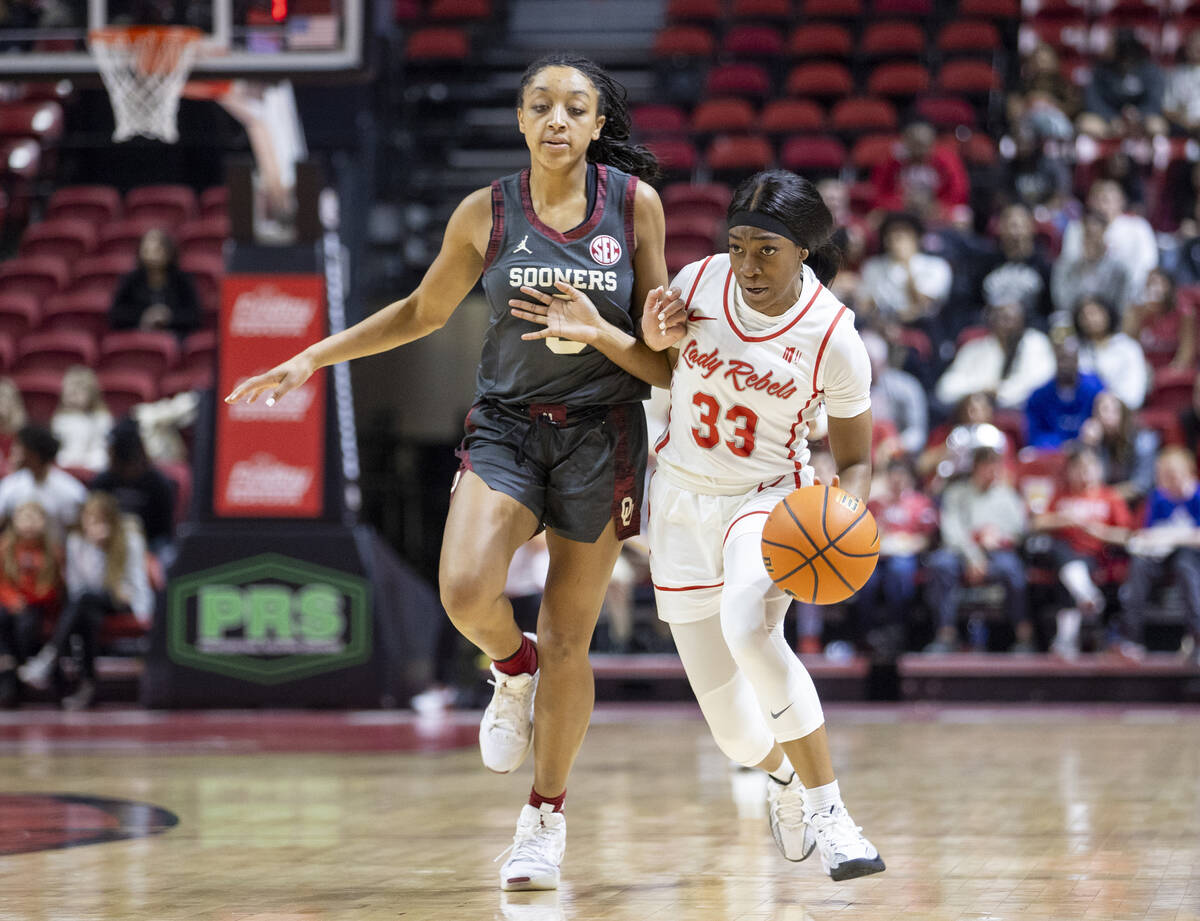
x=269, y=39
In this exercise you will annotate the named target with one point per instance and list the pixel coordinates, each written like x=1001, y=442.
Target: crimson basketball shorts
x=575, y=469
x=687, y=535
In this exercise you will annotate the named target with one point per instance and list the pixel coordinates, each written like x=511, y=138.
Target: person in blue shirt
x=1057, y=410
x=1169, y=545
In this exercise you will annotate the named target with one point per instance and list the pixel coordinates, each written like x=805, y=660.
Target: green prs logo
x=269, y=619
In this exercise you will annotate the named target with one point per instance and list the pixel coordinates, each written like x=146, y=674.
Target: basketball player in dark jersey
x=556, y=438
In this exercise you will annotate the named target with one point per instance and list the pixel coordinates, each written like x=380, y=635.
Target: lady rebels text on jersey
x=745, y=384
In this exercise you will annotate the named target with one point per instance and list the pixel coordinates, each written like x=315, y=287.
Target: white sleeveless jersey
x=741, y=397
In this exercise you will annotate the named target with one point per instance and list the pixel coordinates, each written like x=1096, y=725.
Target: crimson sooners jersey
x=745, y=385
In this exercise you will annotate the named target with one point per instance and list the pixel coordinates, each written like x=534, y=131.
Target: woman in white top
x=756, y=348
x=1117, y=359
x=105, y=575
x=81, y=422
x=903, y=283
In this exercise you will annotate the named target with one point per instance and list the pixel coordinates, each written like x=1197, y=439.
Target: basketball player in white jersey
x=759, y=344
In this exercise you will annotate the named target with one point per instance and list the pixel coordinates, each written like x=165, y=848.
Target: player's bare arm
x=850, y=442
x=449, y=279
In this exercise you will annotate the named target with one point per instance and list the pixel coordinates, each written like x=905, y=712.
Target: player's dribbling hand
x=664, y=318
x=278, y=382
x=570, y=315
x=836, y=484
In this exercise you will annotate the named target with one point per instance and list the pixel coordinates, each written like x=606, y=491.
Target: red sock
x=522, y=662
x=536, y=800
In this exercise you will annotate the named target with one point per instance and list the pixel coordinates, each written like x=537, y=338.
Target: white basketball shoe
x=506, y=731
x=785, y=813
x=537, y=850
x=845, y=853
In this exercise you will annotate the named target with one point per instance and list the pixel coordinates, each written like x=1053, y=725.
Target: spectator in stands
x=896, y=396
x=1169, y=543
x=1093, y=270
x=1057, y=410
x=105, y=575
x=30, y=582
x=921, y=176
x=1044, y=102
x=36, y=479
x=1181, y=100
x=1021, y=272
x=1125, y=93
x=983, y=522
x=902, y=283
x=836, y=195
x=139, y=488
x=1009, y=363
x=1128, y=238
x=908, y=522
x=12, y=418
x=1078, y=535
x=1163, y=323
x=157, y=294
x=1189, y=420
x=1105, y=351
x=1034, y=177
x=1126, y=451
x=972, y=428
x=82, y=421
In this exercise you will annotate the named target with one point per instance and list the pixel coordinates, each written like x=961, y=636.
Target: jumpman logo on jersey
x=522, y=248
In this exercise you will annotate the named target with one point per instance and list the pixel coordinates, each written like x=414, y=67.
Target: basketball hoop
x=144, y=69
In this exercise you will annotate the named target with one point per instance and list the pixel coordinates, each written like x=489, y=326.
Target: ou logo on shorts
x=605, y=249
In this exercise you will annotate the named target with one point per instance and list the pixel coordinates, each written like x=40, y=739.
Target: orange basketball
x=820, y=544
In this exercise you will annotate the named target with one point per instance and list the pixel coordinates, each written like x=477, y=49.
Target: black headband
x=763, y=222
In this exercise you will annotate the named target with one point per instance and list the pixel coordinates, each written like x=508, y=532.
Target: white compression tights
x=752, y=688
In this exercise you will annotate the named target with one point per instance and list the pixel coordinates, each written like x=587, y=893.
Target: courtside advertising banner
x=270, y=459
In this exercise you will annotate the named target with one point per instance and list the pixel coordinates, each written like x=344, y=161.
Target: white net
x=144, y=70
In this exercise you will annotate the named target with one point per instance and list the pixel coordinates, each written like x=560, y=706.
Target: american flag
x=314, y=33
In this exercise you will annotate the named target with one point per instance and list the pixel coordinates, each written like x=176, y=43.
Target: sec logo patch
x=605, y=249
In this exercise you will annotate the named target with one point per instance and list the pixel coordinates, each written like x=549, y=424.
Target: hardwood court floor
x=983, y=814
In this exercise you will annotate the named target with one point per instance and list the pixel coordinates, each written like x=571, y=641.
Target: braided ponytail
x=613, y=147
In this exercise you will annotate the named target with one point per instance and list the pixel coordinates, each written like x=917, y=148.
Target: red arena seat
x=738, y=80
x=55, y=350
x=659, y=119
x=820, y=79
x=96, y=203
x=754, y=42
x=460, y=10
x=675, y=155
x=169, y=205
x=723, y=115
x=791, y=116
x=898, y=79
x=694, y=10
x=685, y=42
x=716, y=194
x=832, y=9
x=39, y=276
x=69, y=238
x=971, y=77
x=138, y=350
x=123, y=389
x=761, y=9
x=41, y=120
x=969, y=36
x=124, y=237
x=892, y=39
x=824, y=154
x=102, y=273
x=872, y=149
x=19, y=314
x=80, y=310
x=820, y=40
x=946, y=111
x=438, y=43
x=863, y=113
x=748, y=153
x=41, y=391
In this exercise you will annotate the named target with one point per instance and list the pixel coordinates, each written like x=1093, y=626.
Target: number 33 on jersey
x=745, y=383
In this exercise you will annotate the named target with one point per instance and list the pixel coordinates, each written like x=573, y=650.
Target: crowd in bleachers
x=1017, y=189
x=107, y=334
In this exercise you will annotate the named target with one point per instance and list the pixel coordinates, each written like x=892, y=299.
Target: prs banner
x=270, y=459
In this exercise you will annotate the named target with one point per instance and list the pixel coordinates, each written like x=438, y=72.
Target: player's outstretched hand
x=664, y=318
x=569, y=315
x=278, y=382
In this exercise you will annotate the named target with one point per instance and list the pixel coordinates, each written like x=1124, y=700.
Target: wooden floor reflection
x=981, y=814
